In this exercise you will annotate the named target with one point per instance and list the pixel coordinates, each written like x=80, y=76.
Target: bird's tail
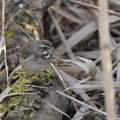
x=19, y=41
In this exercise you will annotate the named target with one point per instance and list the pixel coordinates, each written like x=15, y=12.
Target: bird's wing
x=28, y=49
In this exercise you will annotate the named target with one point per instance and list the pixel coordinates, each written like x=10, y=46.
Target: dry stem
x=106, y=59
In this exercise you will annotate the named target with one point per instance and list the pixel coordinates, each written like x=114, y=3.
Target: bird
x=35, y=56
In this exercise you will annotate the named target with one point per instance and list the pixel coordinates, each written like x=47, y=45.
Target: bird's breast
x=34, y=66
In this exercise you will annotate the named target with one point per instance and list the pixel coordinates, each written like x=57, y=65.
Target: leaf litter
x=73, y=27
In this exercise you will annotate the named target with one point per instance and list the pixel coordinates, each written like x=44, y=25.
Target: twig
x=95, y=13
x=60, y=33
x=66, y=15
x=82, y=103
x=56, y=70
x=3, y=40
x=14, y=94
x=40, y=24
x=81, y=81
x=16, y=69
x=106, y=59
x=118, y=65
x=59, y=75
x=94, y=7
x=1, y=64
x=115, y=48
x=4, y=93
x=11, y=18
x=23, y=30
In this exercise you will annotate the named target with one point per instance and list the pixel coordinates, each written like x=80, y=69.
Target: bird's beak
x=54, y=49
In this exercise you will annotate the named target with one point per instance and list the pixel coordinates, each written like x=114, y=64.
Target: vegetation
x=86, y=61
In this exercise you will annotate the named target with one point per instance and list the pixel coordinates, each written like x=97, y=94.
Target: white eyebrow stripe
x=42, y=45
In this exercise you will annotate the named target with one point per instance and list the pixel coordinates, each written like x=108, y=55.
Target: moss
x=13, y=106
x=8, y=106
x=22, y=78
x=49, y=74
x=13, y=102
x=3, y=107
x=9, y=33
x=27, y=117
x=19, y=87
x=4, y=87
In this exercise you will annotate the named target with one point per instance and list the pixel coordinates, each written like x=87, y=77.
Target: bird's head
x=44, y=48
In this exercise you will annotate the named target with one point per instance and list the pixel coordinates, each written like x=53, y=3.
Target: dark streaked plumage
x=36, y=56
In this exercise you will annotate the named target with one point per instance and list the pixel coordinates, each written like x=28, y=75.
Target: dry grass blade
x=87, y=65
x=82, y=103
x=72, y=85
x=1, y=43
x=82, y=33
x=16, y=69
x=118, y=65
x=94, y=7
x=57, y=71
x=72, y=81
x=14, y=94
x=1, y=64
x=85, y=31
x=4, y=93
x=66, y=15
x=59, y=75
x=2, y=49
x=22, y=30
x=87, y=87
x=91, y=65
x=83, y=14
x=80, y=113
x=63, y=39
x=3, y=40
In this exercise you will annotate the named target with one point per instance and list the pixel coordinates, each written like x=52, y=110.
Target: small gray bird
x=35, y=56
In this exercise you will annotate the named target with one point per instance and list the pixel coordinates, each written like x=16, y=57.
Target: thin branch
x=15, y=94
x=84, y=104
x=66, y=15
x=81, y=81
x=23, y=30
x=64, y=41
x=59, y=75
x=94, y=7
x=3, y=40
x=56, y=70
x=16, y=69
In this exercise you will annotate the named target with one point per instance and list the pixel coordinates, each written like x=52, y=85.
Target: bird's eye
x=45, y=48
